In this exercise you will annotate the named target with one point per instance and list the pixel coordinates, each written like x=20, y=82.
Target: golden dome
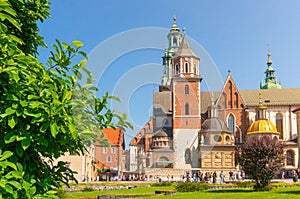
x=262, y=126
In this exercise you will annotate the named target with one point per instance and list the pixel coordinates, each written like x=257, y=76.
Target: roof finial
x=212, y=98
x=260, y=98
x=229, y=72
x=269, y=62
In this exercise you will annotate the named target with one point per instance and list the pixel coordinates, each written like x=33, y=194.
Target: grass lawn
x=282, y=193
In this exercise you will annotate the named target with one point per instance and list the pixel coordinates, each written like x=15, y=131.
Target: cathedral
x=193, y=130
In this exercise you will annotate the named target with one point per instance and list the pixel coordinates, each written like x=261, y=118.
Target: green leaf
x=17, y=174
x=10, y=137
x=19, y=151
x=53, y=128
x=15, y=184
x=26, y=142
x=9, y=189
x=9, y=111
x=77, y=43
x=44, y=127
x=6, y=155
x=11, y=121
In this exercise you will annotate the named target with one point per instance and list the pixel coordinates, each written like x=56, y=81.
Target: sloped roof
x=113, y=135
x=164, y=132
x=162, y=102
x=276, y=97
x=185, y=50
x=206, y=99
x=138, y=138
x=214, y=124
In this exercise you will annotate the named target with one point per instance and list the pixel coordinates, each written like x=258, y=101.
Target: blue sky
x=235, y=34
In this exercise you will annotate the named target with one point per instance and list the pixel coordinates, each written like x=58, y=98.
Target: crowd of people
x=213, y=177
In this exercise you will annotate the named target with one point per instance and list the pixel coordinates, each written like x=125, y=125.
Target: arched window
x=176, y=69
x=186, y=109
x=187, y=156
x=279, y=124
x=108, y=159
x=186, y=67
x=186, y=89
x=230, y=123
x=290, y=158
x=174, y=42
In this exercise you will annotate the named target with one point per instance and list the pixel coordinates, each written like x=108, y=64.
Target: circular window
x=217, y=138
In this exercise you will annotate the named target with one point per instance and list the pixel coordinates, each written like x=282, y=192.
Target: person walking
x=222, y=177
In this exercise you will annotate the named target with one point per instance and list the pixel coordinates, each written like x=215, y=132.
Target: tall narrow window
x=230, y=95
x=174, y=42
x=225, y=100
x=230, y=123
x=186, y=89
x=290, y=158
x=236, y=100
x=104, y=150
x=186, y=66
x=176, y=69
x=279, y=124
x=186, y=111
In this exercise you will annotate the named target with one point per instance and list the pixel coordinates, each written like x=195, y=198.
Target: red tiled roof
x=113, y=135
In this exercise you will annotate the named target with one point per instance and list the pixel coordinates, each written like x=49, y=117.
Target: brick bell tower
x=185, y=86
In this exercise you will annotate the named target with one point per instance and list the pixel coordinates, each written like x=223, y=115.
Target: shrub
x=190, y=187
x=161, y=184
x=87, y=189
x=244, y=184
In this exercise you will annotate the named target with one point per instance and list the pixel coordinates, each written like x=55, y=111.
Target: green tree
x=44, y=110
x=261, y=158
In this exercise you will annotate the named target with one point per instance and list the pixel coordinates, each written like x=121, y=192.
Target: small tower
x=186, y=106
x=270, y=79
x=174, y=39
x=262, y=126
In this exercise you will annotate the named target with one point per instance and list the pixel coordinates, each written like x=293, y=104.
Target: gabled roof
x=185, y=50
x=114, y=136
x=229, y=78
x=273, y=97
x=138, y=138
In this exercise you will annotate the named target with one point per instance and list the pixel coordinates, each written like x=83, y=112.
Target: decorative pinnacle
x=174, y=27
x=269, y=62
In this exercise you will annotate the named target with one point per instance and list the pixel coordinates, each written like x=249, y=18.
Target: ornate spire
x=269, y=62
x=270, y=79
x=174, y=26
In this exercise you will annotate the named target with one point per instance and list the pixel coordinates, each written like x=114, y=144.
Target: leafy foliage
x=44, y=112
x=29, y=13
x=261, y=158
x=190, y=187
